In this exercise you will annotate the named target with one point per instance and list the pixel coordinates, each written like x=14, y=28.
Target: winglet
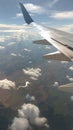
x=26, y=15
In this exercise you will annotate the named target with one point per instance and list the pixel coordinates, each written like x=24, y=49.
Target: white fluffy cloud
x=34, y=8
x=19, y=15
x=13, y=54
x=63, y=15
x=28, y=114
x=56, y=84
x=71, y=97
x=20, y=124
x=69, y=78
x=7, y=84
x=71, y=68
x=67, y=28
x=30, y=98
x=2, y=47
x=2, y=39
x=33, y=73
x=25, y=49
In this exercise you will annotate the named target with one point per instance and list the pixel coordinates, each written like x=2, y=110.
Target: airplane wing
x=63, y=41
x=66, y=88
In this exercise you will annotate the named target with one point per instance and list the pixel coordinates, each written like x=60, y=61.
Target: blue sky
x=54, y=13
x=10, y=8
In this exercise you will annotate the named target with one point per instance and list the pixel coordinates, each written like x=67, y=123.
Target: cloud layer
x=63, y=15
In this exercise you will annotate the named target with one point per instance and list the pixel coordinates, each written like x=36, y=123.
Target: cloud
x=28, y=116
x=13, y=54
x=67, y=28
x=20, y=124
x=32, y=113
x=64, y=62
x=16, y=33
x=6, y=89
x=56, y=84
x=47, y=47
x=7, y=84
x=49, y=61
x=34, y=8
x=25, y=49
x=11, y=43
x=26, y=85
x=2, y=39
x=71, y=68
x=30, y=98
x=71, y=98
x=63, y=15
x=33, y=73
x=69, y=78
x=51, y=4
x=30, y=62
x=2, y=47
x=19, y=15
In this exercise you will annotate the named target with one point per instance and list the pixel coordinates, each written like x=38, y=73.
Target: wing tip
x=26, y=15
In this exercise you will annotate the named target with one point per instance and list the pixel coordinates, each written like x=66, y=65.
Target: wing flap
x=43, y=42
x=56, y=56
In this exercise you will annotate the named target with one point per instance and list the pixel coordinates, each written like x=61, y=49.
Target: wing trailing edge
x=56, y=56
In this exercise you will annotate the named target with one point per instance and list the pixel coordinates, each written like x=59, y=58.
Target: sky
x=52, y=12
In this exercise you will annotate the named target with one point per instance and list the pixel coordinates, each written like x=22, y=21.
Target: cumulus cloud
x=67, y=28
x=30, y=62
x=56, y=84
x=71, y=97
x=2, y=39
x=28, y=115
x=30, y=98
x=63, y=15
x=6, y=89
x=2, y=47
x=69, y=78
x=7, y=84
x=25, y=49
x=49, y=61
x=13, y=54
x=33, y=73
x=71, y=68
x=34, y=8
x=19, y=15
x=20, y=124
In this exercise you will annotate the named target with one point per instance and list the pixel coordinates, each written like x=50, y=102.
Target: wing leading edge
x=59, y=39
